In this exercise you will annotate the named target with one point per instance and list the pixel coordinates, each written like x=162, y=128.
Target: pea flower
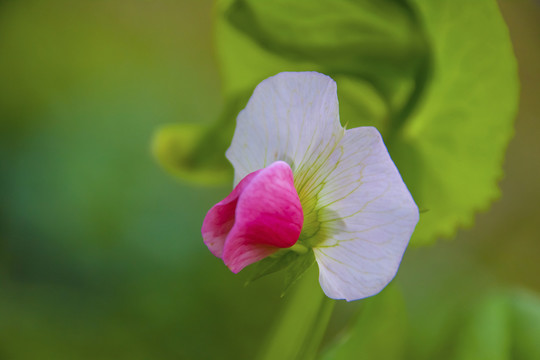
x=301, y=179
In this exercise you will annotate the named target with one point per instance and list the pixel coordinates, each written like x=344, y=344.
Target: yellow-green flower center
x=312, y=230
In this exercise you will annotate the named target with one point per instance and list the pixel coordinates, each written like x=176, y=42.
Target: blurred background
x=100, y=249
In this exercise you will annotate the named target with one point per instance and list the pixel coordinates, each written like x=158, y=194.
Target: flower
x=300, y=177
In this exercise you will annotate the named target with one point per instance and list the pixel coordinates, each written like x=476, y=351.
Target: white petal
x=367, y=216
x=291, y=117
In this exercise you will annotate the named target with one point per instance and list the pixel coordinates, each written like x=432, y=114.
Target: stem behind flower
x=299, y=331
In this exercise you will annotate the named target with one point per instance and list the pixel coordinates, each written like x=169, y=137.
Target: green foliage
x=438, y=79
x=451, y=150
x=496, y=326
x=195, y=152
x=175, y=147
x=486, y=335
x=335, y=37
x=525, y=321
x=378, y=333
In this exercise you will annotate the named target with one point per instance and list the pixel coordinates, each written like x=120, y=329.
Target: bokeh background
x=100, y=249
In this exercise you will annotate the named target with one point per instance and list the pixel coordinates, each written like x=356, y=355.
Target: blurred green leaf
x=504, y=325
x=487, y=325
x=350, y=41
x=195, y=152
x=174, y=146
x=487, y=334
x=451, y=150
x=526, y=325
x=379, y=332
x=336, y=37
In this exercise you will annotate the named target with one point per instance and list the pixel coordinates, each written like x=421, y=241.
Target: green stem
x=298, y=332
x=312, y=345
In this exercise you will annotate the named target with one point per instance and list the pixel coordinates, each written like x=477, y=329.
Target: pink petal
x=260, y=216
x=220, y=218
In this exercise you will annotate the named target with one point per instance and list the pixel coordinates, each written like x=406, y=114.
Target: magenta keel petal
x=269, y=216
x=220, y=218
x=260, y=216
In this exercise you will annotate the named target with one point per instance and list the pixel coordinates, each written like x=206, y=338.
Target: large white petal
x=367, y=216
x=292, y=117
